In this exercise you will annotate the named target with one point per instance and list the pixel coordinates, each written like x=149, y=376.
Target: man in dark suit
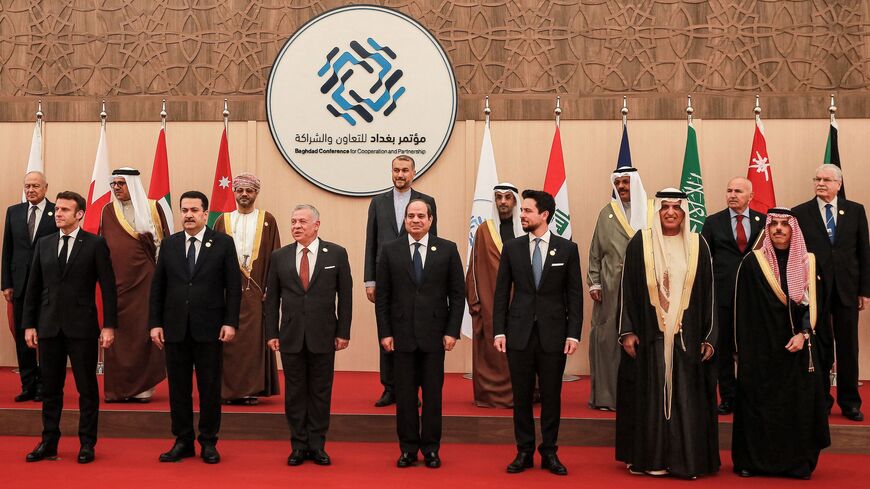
x=835, y=230
x=310, y=285
x=730, y=234
x=539, y=326
x=60, y=318
x=25, y=224
x=195, y=299
x=419, y=307
x=386, y=223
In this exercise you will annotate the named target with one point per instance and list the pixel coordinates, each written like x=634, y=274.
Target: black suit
x=191, y=309
x=536, y=323
x=418, y=317
x=845, y=270
x=17, y=257
x=310, y=323
x=381, y=228
x=61, y=306
x=726, y=258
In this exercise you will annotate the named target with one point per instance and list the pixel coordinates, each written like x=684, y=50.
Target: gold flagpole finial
x=833, y=108
x=226, y=115
x=486, y=109
x=163, y=115
x=757, y=109
x=624, y=110
x=689, y=110
x=39, y=113
x=558, y=110
x=103, y=114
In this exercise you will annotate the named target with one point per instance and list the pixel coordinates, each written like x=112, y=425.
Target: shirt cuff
x=594, y=287
x=498, y=336
x=573, y=339
x=369, y=284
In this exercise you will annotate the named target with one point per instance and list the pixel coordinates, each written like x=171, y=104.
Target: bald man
x=730, y=233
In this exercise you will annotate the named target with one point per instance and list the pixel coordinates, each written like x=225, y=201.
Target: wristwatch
x=806, y=335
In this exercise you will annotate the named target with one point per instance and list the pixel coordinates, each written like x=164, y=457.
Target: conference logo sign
x=352, y=89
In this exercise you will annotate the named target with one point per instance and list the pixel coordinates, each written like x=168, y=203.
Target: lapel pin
x=757, y=218
x=842, y=212
x=50, y=213
x=552, y=252
x=208, y=245
x=433, y=248
x=266, y=223
x=325, y=250
x=610, y=216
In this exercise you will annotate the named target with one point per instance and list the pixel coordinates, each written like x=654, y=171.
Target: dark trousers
x=28, y=366
x=838, y=331
x=82, y=355
x=388, y=379
x=181, y=360
x=419, y=370
x=307, y=396
x=725, y=354
x=524, y=366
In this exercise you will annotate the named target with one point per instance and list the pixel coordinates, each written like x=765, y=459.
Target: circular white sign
x=352, y=89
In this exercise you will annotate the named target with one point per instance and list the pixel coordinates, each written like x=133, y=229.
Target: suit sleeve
x=234, y=285
x=863, y=255
x=434, y=229
x=707, y=233
x=456, y=294
x=157, y=300
x=271, y=308
x=345, y=297
x=574, y=292
x=384, y=296
x=709, y=306
x=108, y=289
x=470, y=282
x=501, y=300
x=33, y=296
x=371, y=250
x=7, y=254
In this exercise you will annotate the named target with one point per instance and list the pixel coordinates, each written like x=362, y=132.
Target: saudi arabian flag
x=692, y=184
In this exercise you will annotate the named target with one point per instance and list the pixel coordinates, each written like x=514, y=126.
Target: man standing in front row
x=310, y=289
x=195, y=299
x=60, y=318
x=386, y=223
x=420, y=303
x=666, y=421
x=539, y=326
x=490, y=374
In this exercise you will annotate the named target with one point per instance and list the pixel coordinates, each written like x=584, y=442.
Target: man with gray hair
x=835, y=230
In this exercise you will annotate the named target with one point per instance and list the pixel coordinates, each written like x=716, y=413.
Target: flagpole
x=558, y=110
x=103, y=117
x=832, y=110
x=163, y=115
x=757, y=108
x=226, y=114
x=624, y=110
x=689, y=111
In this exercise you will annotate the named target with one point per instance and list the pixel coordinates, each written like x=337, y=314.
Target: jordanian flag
x=159, y=189
x=832, y=153
x=691, y=182
x=222, y=198
x=556, y=185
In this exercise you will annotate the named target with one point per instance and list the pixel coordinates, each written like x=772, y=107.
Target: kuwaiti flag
x=158, y=190
x=759, y=172
x=832, y=153
x=691, y=182
x=99, y=193
x=481, y=206
x=35, y=162
x=556, y=185
x=222, y=198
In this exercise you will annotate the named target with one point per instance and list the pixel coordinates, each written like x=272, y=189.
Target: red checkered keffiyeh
x=798, y=261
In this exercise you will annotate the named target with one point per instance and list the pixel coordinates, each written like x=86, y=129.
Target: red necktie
x=741, y=233
x=303, y=269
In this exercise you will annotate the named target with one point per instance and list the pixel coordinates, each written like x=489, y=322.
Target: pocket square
x=557, y=265
x=327, y=268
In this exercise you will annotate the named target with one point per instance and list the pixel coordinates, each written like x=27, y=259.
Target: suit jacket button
x=190, y=284
x=187, y=302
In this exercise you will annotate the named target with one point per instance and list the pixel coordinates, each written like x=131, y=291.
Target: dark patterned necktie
x=304, y=269
x=31, y=223
x=191, y=255
x=418, y=264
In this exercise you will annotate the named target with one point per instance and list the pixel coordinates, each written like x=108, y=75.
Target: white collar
x=40, y=205
x=198, y=235
x=745, y=212
x=544, y=237
x=73, y=234
x=424, y=240
x=311, y=246
x=822, y=203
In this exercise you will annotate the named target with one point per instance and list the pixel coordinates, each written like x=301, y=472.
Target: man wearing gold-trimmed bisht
x=250, y=369
x=666, y=421
x=780, y=418
x=133, y=228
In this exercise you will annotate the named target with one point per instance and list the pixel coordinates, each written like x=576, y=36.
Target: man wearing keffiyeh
x=780, y=420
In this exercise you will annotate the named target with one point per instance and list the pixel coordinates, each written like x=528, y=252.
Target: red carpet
x=252, y=464
x=355, y=393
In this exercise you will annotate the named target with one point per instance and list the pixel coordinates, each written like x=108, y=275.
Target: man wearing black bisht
x=666, y=421
x=780, y=420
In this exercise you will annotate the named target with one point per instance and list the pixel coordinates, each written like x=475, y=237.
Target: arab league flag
x=158, y=190
x=35, y=161
x=99, y=193
x=556, y=185
x=832, y=153
x=222, y=198
x=692, y=184
x=481, y=206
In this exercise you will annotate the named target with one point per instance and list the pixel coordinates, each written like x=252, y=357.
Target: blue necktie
x=191, y=255
x=418, y=264
x=830, y=224
x=537, y=263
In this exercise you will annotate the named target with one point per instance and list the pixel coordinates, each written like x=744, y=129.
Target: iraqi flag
x=99, y=193
x=759, y=172
x=556, y=185
x=158, y=190
x=222, y=198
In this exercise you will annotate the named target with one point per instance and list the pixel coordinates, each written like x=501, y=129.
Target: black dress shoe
x=386, y=399
x=854, y=414
x=86, y=454
x=407, y=459
x=25, y=396
x=432, y=460
x=551, y=462
x=177, y=452
x=297, y=457
x=43, y=451
x=523, y=461
x=320, y=457
x=726, y=407
x=209, y=454
x=744, y=473
x=37, y=395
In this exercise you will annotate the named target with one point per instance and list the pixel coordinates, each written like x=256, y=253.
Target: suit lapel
x=819, y=220
x=431, y=255
x=294, y=273
x=318, y=264
x=391, y=210
x=204, y=250
x=527, y=259
x=548, y=259
x=77, y=247
x=46, y=220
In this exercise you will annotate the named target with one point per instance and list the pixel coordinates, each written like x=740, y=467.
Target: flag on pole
x=222, y=198
x=624, y=158
x=832, y=152
x=158, y=190
x=759, y=172
x=691, y=182
x=99, y=193
x=556, y=185
x=481, y=206
x=35, y=161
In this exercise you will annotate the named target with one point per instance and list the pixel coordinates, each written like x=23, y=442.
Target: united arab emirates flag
x=691, y=182
x=158, y=190
x=222, y=199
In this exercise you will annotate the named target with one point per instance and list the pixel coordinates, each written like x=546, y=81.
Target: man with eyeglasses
x=835, y=230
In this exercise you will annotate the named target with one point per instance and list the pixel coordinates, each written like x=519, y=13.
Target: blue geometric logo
x=348, y=104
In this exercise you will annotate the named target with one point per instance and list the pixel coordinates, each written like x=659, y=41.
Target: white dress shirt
x=822, y=209
x=70, y=242
x=423, y=249
x=40, y=210
x=400, y=202
x=197, y=243
x=313, y=248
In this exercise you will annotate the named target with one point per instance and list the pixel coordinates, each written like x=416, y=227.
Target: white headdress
x=638, y=218
x=496, y=218
x=139, y=199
